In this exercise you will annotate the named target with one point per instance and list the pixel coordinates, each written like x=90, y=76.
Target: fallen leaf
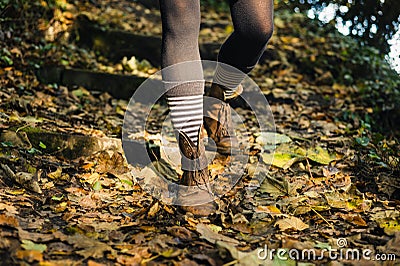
x=33, y=236
x=320, y=155
x=359, y=205
x=291, y=223
x=355, y=219
x=272, y=138
x=274, y=187
x=268, y=209
x=171, y=253
x=29, y=245
x=97, y=186
x=205, y=258
x=93, y=263
x=9, y=208
x=88, y=247
x=242, y=258
x=56, y=174
x=390, y=226
x=153, y=210
x=336, y=199
x=8, y=220
x=114, y=164
x=287, y=154
x=29, y=255
x=207, y=233
x=89, y=202
x=392, y=246
x=180, y=232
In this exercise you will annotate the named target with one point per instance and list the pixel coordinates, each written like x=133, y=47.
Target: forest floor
x=68, y=196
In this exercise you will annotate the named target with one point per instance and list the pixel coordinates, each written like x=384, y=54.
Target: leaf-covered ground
x=68, y=196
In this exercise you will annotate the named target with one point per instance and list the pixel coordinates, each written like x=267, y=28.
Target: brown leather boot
x=218, y=119
x=197, y=196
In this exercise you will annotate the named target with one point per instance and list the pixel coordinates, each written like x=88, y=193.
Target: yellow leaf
x=91, y=178
x=291, y=223
x=154, y=209
x=285, y=155
x=56, y=174
x=359, y=205
x=390, y=226
x=268, y=209
x=320, y=155
x=289, y=39
x=228, y=29
x=337, y=200
x=279, y=23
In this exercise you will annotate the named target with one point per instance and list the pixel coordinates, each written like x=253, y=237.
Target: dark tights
x=253, y=26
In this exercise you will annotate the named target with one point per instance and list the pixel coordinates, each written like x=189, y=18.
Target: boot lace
x=200, y=177
x=223, y=118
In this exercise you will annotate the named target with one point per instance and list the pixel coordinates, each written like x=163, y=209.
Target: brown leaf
x=28, y=181
x=129, y=260
x=8, y=220
x=114, y=165
x=30, y=256
x=9, y=208
x=291, y=223
x=241, y=227
x=203, y=257
x=88, y=202
x=180, y=232
x=88, y=247
x=36, y=237
x=205, y=232
x=93, y=263
x=393, y=245
x=140, y=238
x=153, y=210
x=355, y=219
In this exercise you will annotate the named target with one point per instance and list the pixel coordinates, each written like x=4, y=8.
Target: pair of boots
x=218, y=124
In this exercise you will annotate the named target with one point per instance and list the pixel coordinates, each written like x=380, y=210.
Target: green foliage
x=4, y=3
x=15, y=4
x=219, y=5
x=6, y=57
x=371, y=21
x=323, y=49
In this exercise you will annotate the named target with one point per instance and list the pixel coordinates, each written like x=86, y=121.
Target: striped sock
x=187, y=114
x=229, y=78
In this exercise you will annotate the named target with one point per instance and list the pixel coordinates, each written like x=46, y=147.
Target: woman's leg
x=182, y=71
x=253, y=27
x=183, y=78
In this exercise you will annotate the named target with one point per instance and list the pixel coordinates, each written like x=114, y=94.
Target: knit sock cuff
x=228, y=77
x=184, y=88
